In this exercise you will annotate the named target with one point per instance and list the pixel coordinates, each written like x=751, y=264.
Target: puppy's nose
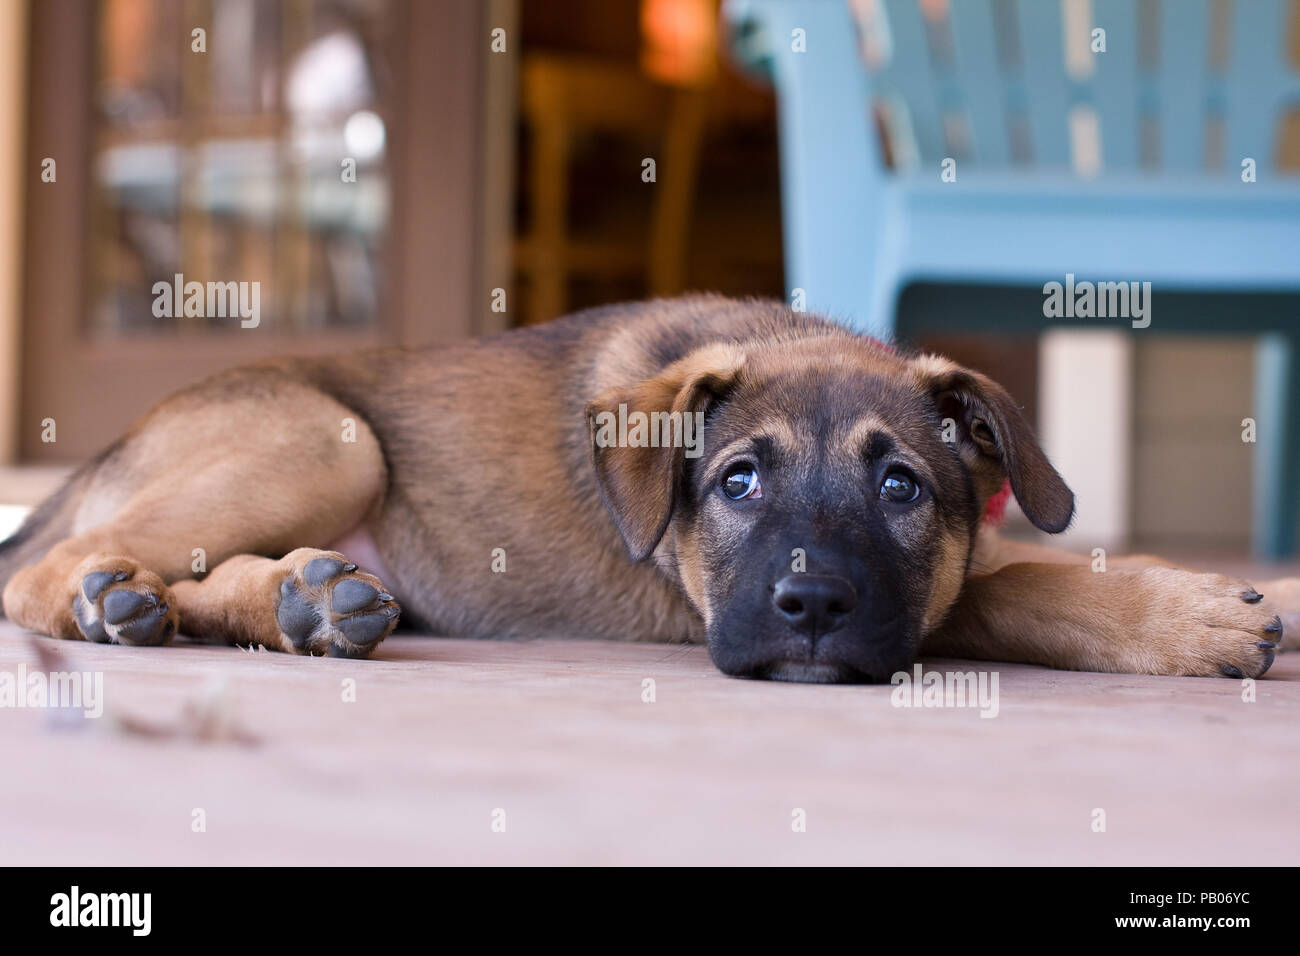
x=814, y=603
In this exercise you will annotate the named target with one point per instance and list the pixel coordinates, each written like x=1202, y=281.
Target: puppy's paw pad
x=320, y=571
x=296, y=613
x=118, y=602
x=352, y=594
x=328, y=606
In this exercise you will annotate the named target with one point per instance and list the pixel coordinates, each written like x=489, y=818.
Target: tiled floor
x=445, y=737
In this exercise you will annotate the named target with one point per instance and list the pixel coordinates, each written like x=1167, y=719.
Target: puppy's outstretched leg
x=1281, y=596
x=1157, y=620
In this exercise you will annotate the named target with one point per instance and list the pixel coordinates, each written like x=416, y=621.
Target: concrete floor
x=445, y=734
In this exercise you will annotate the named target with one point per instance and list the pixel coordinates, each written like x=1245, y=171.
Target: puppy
x=807, y=501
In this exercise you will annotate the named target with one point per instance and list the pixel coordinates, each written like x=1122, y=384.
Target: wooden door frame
x=434, y=252
x=13, y=180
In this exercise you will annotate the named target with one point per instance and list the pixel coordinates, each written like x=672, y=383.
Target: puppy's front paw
x=327, y=606
x=1205, y=625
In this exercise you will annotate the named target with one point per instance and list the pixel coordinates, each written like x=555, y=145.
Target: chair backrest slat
x=1001, y=82
x=1183, y=57
x=1115, y=82
x=1257, y=81
x=976, y=65
x=1046, y=89
x=911, y=83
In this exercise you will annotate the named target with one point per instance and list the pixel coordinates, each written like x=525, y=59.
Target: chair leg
x=1277, y=459
x=833, y=183
x=670, y=223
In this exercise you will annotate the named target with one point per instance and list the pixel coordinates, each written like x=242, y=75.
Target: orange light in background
x=936, y=11
x=128, y=28
x=679, y=40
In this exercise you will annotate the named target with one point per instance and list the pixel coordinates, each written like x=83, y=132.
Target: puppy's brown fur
x=472, y=471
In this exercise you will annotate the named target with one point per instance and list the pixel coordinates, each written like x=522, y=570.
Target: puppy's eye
x=741, y=481
x=900, y=487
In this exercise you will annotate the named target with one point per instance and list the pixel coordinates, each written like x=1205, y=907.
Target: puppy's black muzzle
x=839, y=620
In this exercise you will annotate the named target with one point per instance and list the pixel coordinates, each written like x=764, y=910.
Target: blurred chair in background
x=1122, y=165
x=662, y=104
x=567, y=98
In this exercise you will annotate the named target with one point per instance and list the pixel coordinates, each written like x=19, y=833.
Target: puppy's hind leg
x=98, y=596
x=308, y=602
x=249, y=464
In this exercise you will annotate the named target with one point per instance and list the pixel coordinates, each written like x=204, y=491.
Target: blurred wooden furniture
x=567, y=97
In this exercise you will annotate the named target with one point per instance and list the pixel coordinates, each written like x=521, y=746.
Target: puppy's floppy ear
x=995, y=441
x=638, y=484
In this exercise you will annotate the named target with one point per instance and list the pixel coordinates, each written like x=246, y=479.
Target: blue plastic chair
x=994, y=92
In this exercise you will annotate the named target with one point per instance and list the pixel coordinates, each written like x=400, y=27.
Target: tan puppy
x=803, y=499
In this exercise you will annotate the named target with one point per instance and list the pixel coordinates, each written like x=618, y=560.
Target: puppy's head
x=823, y=521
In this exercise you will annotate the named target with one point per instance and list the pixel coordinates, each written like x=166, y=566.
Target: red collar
x=995, y=511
